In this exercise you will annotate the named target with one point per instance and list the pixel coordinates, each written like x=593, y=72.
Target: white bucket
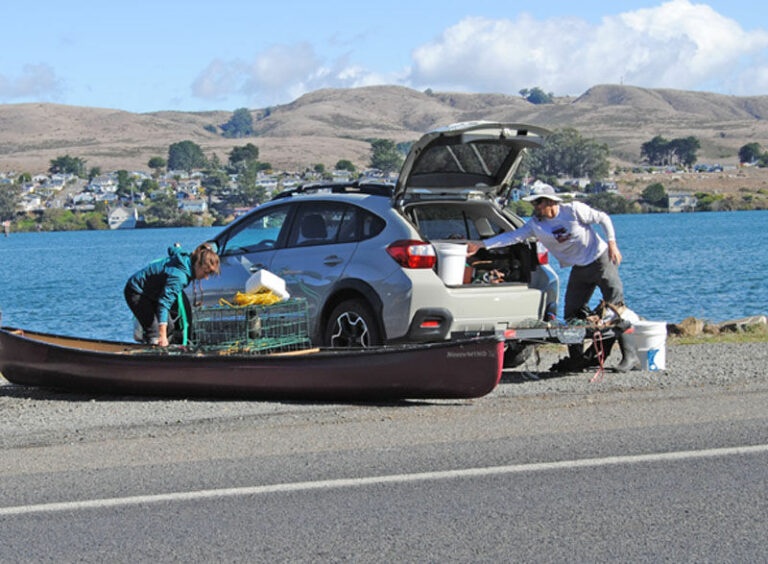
x=651, y=339
x=451, y=259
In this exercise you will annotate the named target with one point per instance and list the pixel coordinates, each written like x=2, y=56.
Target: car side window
x=257, y=234
x=349, y=225
x=371, y=226
x=317, y=224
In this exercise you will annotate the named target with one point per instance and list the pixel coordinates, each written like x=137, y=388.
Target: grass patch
x=753, y=334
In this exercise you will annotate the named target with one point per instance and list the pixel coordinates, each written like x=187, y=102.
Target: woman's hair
x=204, y=257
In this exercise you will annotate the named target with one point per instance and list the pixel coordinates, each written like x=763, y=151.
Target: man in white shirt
x=567, y=231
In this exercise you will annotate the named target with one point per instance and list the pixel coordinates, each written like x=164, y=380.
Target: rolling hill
x=327, y=125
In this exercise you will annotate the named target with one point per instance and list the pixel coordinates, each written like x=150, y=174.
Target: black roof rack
x=385, y=189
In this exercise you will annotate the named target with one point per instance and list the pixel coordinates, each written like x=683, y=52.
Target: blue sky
x=144, y=56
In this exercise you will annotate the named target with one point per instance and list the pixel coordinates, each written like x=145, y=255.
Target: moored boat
x=451, y=369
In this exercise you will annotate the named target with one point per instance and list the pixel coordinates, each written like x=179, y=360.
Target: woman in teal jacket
x=151, y=292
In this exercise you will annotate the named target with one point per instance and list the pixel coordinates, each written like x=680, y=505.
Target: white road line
x=374, y=480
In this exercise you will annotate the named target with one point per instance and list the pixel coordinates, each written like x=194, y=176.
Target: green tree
x=345, y=164
x=248, y=192
x=537, y=96
x=521, y=208
x=750, y=152
x=163, y=211
x=148, y=186
x=216, y=185
x=385, y=155
x=10, y=196
x=319, y=168
x=662, y=152
x=567, y=153
x=157, y=164
x=685, y=150
x=239, y=125
x=186, y=155
x=655, y=194
x=657, y=151
x=708, y=202
x=214, y=162
x=67, y=165
x=125, y=183
x=94, y=172
x=241, y=157
x=611, y=203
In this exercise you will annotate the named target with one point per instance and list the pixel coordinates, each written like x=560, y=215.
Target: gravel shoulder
x=38, y=417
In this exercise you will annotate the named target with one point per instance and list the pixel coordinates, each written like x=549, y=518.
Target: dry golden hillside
x=327, y=125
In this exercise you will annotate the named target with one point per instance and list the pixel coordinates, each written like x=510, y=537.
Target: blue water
x=71, y=283
x=708, y=265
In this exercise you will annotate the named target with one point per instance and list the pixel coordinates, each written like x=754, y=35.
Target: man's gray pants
x=582, y=282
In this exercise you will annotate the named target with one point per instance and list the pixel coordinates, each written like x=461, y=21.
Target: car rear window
x=446, y=222
x=475, y=161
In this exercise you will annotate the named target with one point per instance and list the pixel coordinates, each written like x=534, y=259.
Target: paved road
x=649, y=473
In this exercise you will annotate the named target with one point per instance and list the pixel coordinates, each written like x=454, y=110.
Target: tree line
x=566, y=153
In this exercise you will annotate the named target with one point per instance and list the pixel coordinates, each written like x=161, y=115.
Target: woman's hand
x=163, y=340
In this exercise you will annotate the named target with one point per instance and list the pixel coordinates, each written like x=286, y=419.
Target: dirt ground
x=743, y=180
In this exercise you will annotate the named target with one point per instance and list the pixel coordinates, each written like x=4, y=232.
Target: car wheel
x=516, y=354
x=352, y=324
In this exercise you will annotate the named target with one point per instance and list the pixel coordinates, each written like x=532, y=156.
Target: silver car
x=363, y=255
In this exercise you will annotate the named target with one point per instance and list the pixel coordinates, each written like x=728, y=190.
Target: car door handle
x=332, y=260
x=256, y=267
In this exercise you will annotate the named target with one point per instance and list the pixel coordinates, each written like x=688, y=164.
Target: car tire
x=516, y=354
x=352, y=324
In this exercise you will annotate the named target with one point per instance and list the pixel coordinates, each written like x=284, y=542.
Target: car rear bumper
x=468, y=308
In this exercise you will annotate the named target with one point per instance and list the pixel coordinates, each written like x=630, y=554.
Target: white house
x=123, y=218
x=31, y=202
x=681, y=202
x=193, y=206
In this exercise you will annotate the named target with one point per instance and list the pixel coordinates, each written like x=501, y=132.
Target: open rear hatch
x=465, y=158
x=468, y=162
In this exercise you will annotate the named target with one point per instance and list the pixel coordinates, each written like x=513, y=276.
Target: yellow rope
x=260, y=298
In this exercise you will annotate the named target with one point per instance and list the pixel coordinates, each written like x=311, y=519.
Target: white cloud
x=35, y=81
x=219, y=79
x=675, y=45
x=282, y=72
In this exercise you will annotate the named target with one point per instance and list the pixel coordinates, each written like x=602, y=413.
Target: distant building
x=193, y=206
x=123, y=218
x=681, y=202
x=604, y=186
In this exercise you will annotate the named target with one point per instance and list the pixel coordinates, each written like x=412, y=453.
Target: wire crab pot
x=251, y=329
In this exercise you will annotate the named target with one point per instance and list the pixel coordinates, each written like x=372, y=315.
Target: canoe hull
x=454, y=369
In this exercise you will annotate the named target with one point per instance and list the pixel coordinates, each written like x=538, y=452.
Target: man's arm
x=586, y=214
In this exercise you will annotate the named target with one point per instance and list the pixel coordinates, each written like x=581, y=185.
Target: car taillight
x=542, y=252
x=413, y=254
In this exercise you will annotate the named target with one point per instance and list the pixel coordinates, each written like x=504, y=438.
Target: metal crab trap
x=251, y=329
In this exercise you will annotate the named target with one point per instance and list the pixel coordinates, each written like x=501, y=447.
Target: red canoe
x=451, y=369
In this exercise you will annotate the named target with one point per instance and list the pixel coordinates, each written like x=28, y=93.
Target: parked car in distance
x=364, y=255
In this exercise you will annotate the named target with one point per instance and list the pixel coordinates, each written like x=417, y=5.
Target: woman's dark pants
x=145, y=311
